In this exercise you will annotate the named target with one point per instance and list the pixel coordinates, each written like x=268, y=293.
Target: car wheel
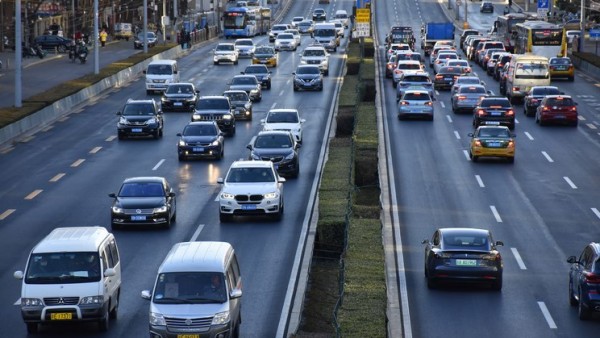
x=181, y=158
x=430, y=118
x=174, y=217
x=511, y=159
x=216, y=62
x=575, y=123
x=156, y=134
x=168, y=223
x=295, y=88
x=104, y=323
x=571, y=78
x=235, y=62
x=259, y=98
x=225, y=218
x=394, y=84
x=321, y=88
x=582, y=311
x=541, y=122
x=115, y=311
x=160, y=132
x=121, y=137
x=32, y=328
x=278, y=215
x=115, y=226
x=474, y=158
x=572, y=300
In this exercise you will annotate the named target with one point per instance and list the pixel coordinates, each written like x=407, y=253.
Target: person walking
x=103, y=36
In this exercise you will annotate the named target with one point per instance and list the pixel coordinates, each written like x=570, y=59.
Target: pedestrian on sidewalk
x=103, y=36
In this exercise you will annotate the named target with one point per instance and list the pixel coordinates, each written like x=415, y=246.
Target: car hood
x=285, y=40
x=139, y=202
x=61, y=289
x=191, y=311
x=243, y=87
x=245, y=48
x=178, y=96
x=211, y=111
x=264, y=56
x=224, y=52
x=307, y=76
x=201, y=139
x=281, y=126
x=245, y=188
x=272, y=152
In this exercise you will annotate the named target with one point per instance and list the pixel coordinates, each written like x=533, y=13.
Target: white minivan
x=197, y=292
x=159, y=74
x=72, y=275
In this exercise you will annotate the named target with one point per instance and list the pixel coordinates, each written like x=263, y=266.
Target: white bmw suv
x=251, y=188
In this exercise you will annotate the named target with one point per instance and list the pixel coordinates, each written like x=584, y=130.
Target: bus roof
x=528, y=57
x=538, y=24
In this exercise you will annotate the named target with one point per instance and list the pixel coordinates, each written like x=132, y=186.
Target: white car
x=245, y=47
x=316, y=55
x=296, y=20
x=296, y=35
x=284, y=119
x=251, y=188
x=285, y=41
x=225, y=52
x=406, y=67
x=276, y=29
x=343, y=16
x=339, y=27
x=397, y=47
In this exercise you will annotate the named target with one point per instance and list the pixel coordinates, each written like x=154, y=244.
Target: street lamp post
x=2, y=25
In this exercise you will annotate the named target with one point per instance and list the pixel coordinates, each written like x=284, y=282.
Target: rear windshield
x=495, y=102
x=237, y=97
x=282, y=117
x=562, y=61
x=563, y=101
x=531, y=71
x=466, y=242
x=545, y=91
x=416, y=78
x=416, y=96
x=409, y=66
x=472, y=90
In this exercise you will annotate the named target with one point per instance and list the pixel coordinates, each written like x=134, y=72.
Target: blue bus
x=239, y=22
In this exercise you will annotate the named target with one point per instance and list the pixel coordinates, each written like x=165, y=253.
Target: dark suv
x=494, y=110
x=140, y=118
x=216, y=108
x=584, y=281
x=279, y=147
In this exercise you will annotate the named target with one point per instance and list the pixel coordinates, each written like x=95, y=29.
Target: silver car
x=285, y=41
x=408, y=81
x=465, y=80
x=245, y=47
x=249, y=84
x=467, y=97
x=415, y=103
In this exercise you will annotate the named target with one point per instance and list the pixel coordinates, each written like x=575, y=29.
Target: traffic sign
x=362, y=30
x=542, y=12
x=543, y=4
x=595, y=34
x=363, y=15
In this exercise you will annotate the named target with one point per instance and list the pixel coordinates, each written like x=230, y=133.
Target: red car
x=558, y=109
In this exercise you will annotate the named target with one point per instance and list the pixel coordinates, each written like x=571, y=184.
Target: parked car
x=53, y=42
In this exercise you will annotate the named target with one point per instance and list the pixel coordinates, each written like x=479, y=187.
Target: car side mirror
x=146, y=294
x=293, y=73
x=179, y=134
x=113, y=195
x=425, y=241
x=572, y=259
x=144, y=71
x=171, y=194
x=220, y=180
x=281, y=179
x=262, y=121
x=244, y=73
x=249, y=146
x=119, y=113
x=499, y=243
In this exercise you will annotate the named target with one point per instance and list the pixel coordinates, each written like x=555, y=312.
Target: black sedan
x=278, y=147
x=486, y=7
x=262, y=73
x=179, y=97
x=444, y=79
x=463, y=255
x=201, y=139
x=53, y=42
x=495, y=111
x=535, y=96
x=308, y=77
x=584, y=281
x=148, y=201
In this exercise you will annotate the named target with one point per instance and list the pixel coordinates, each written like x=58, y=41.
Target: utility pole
x=18, y=56
x=95, y=37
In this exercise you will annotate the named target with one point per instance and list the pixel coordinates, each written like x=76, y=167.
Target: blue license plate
x=494, y=144
x=248, y=207
x=136, y=130
x=138, y=218
x=198, y=149
x=179, y=104
x=496, y=113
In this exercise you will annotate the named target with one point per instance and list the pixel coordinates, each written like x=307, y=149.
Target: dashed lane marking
x=518, y=258
x=33, y=194
x=479, y=181
x=95, y=150
x=547, y=157
x=57, y=177
x=6, y=213
x=496, y=214
x=528, y=135
x=547, y=315
x=77, y=163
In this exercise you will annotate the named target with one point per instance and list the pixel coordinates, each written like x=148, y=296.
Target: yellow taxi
x=492, y=141
x=562, y=67
x=265, y=55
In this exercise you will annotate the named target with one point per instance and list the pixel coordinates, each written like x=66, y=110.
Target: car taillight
x=591, y=277
x=515, y=89
x=439, y=77
x=478, y=143
x=492, y=257
x=480, y=112
x=404, y=103
x=511, y=144
x=390, y=65
x=441, y=255
x=573, y=109
x=429, y=103
x=534, y=100
x=544, y=108
x=397, y=71
x=460, y=98
x=571, y=67
x=510, y=112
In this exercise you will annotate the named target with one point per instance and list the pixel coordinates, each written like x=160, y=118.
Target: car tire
x=115, y=226
x=474, y=158
x=269, y=85
x=574, y=124
x=295, y=88
x=181, y=158
x=571, y=78
x=32, y=328
x=430, y=118
x=572, y=300
x=511, y=159
x=321, y=88
x=278, y=215
x=156, y=134
x=395, y=84
x=115, y=311
x=582, y=312
x=168, y=223
x=121, y=137
x=326, y=73
x=104, y=323
x=225, y=218
x=235, y=62
x=216, y=62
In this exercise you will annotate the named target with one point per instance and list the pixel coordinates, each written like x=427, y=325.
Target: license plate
x=198, y=150
x=494, y=144
x=561, y=68
x=188, y=336
x=496, y=113
x=263, y=61
x=61, y=316
x=136, y=130
x=559, y=117
x=466, y=262
x=448, y=78
x=248, y=207
x=138, y=218
x=178, y=104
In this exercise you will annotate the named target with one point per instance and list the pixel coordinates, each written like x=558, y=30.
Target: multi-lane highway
x=544, y=206
x=62, y=176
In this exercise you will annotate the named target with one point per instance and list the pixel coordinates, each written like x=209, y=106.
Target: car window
x=471, y=90
x=244, y=43
x=282, y=117
x=493, y=132
x=138, y=109
x=237, y=97
x=199, y=130
x=545, y=91
x=416, y=78
x=190, y=288
x=466, y=242
x=250, y=175
x=560, y=61
x=564, y=101
x=264, y=50
x=409, y=66
x=416, y=97
x=179, y=89
x=272, y=141
x=495, y=102
x=142, y=189
x=308, y=70
x=225, y=47
x=243, y=80
x=467, y=81
x=159, y=69
x=314, y=52
x=63, y=268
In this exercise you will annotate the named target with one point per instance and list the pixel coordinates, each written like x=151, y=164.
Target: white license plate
x=136, y=130
x=494, y=144
x=466, y=262
x=493, y=123
x=248, y=207
x=496, y=113
x=138, y=218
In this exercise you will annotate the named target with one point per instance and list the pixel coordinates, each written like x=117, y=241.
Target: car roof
x=145, y=179
x=234, y=91
x=72, y=239
x=283, y=110
x=251, y=164
x=197, y=256
x=202, y=123
x=212, y=97
x=457, y=231
x=275, y=132
x=557, y=96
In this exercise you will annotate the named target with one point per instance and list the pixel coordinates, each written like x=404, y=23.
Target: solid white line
x=569, y=182
x=33, y=194
x=158, y=164
x=95, y=150
x=496, y=214
x=273, y=105
x=466, y=153
x=57, y=177
x=529, y=136
x=547, y=156
x=479, y=181
x=518, y=258
x=77, y=163
x=547, y=315
x=442, y=104
x=197, y=233
x=449, y=118
x=6, y=213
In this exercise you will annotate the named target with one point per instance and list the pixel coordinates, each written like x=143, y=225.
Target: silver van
x=197, y=292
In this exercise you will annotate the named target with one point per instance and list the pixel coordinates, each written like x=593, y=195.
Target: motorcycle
x=33, y=51
x=79, y=52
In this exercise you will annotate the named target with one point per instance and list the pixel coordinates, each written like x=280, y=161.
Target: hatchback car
x=225, y=52
x=249, y=84
x=492, y=141
x=285, y=41
x=534, y=97
x=486, y=7
x=284, y=119
x=148, y=201
x=557, y=109
x=201, y=139
x=245, y=47
x=140, y=118
x=278, y=147
x=467, y=97
x=265, y=55
x=409, y=81
x=262, y=73
x=308, y=77
x=415, y=103
x=445, y=77
x=463, y=255
x=494, y=110
x=179, y=97
x=584, y=281
x=151, y=40
x=241, y=103
x=562, y=67
x=465, y=80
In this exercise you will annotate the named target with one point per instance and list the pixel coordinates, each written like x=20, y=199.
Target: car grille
x=158, y=81
x=51, y=301
x=249, y=198
x=189, y=324
x=201, y=144
x=313, y=62
x=209, y=117
x=272, y=159
x=135, y=211
x=136, y=123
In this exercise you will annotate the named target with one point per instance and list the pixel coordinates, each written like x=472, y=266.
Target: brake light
x=515, y=89
x=534, y=100
x=390, y=65
x=429, y=103
x=544, y=108
x=477, y=143
x=439, y=77
x=404, y=103
x=591, y=277
x=397, y=71
x=480, y=112
x=552, y=67
x=441, y=255
x=573, y=109
x=510, y=112
x=462, y=97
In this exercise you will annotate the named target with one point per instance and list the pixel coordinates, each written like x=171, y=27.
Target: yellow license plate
x=188, y=336
x=61, y=316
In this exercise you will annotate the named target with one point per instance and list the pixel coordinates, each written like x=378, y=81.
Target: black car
x=151, y=40
x=444, y=79
x=201, y=139
x=535, y=96
x=216, y=108
x=179, y=97
x=148, y=201
x=502, y=79
x=53, y=42
x=584, y=281
x=486, y=7
x=241, y=103
x=262, y=73
x=319, y=14
x=308, y=77
x=140, y=118
x=278, y=147
x=463, y=255
x=494, y=110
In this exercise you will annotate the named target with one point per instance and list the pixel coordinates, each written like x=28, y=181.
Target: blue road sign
x=543, y=4
x=594, y=34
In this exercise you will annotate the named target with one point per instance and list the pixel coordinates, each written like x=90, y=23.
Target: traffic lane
x=46, y=75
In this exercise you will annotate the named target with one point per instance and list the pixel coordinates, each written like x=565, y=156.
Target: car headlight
x=196, y=117
x=122, y=120
x=157, y=319
x=91, y=300
x=298, y=130
x=190, y=99
x=182, y=143
x=221, y=318
x=227, y=117
x=254, y=91
x=164, y=99
x=302, y=62
x=272, y=194
x=214, y=143
x=324, y=62
x=148, y=80
x=117, y=210
x=160, y=209
x=227, y=196
x=31, y=302
x=151, y=121
x=297, y=80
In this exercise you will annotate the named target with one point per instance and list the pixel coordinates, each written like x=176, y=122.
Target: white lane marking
x=158, y=164
x=57, y=177
x=547, y=156
x=95, y=150
x=516, y=120
x=591, y=126
x=6, y=213
x=496, y=214
x=18, y=302
x=33, y=194
x=529, y=136
x=581, y=118
x=547, y=315
x=281, y=92
x=518, y=258
x=479, y=181
x=457, y=135
x=110, y=138
x=77, y=163
x=437, y=93
x=197, y=233
x=466, y=153
x=442, y=104
x=449, y=118
x=596, y=212
x=273, y=105
x=569, y=182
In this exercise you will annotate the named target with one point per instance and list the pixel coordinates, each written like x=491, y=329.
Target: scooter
x=33, y=51
x=78, y=52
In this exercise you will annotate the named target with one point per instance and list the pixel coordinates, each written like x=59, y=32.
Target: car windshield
x=159, y=70
x=308, y=70
x=285, y=36
x=250, y=175
x=493, y=132
x=416, y=97
x=200, y=130
x=282, y=117
x=495, y=102
x=467, y=81
x=264, y=50
x=256, y=70
x=304, y=24
x=531, y=71
x=139, y=109
x=471, y=90
x=458, y=63
x=237, y=97
x=279, y=28
x=403, y=56
x=142, y=189
x=244, y=80
x=560, y=61
x=223, y=47
x=450, y=70
x=273, y=141
x=149, y=35
x=212, y=104
x=314, y=52
x=466, y=242
x=190, y=288
x=180, y=89
x=244, y=43
x=63, y=268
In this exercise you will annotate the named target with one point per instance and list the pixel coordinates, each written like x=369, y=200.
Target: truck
x=123, y=31
x=433, y=32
